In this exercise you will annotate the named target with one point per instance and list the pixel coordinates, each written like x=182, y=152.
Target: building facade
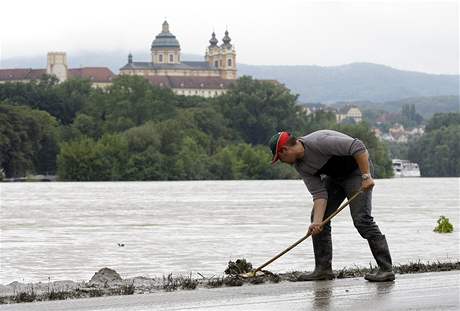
x=349, y=112
x=57, y=65
x=207, y=78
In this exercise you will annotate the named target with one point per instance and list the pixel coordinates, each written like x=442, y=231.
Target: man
x=334, y=166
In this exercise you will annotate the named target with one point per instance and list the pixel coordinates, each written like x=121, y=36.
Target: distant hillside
x=353, y=82
x=426, y=106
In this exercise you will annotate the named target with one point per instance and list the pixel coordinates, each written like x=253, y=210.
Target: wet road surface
x=425, y=291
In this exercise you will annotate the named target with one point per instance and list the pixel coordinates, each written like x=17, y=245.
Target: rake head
x=251, y=274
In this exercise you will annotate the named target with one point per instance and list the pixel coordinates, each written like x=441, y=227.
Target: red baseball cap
x=277, y=142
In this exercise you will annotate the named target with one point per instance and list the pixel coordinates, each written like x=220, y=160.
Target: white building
x=349, y=112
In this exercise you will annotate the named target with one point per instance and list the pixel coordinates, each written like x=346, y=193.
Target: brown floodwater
x=71, y=230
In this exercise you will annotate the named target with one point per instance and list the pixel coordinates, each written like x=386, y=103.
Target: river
x=69, y=230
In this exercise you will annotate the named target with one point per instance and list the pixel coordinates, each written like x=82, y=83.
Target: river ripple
x=69, y=230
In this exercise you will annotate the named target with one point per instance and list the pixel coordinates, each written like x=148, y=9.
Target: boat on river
x=405, y=168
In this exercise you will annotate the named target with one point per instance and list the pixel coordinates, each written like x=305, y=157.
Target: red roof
x=21, y=74
x=95, y=74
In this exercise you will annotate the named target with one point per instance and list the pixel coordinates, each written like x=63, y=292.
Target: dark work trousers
x=340, y=188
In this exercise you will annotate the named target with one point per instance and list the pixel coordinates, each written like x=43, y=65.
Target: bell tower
x=228, y=58
x=213, y=52
x=57, y=65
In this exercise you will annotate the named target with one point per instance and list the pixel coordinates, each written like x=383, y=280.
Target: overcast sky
x=409, y=35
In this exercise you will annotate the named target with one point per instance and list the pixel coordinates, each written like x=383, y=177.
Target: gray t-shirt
x=328, y=153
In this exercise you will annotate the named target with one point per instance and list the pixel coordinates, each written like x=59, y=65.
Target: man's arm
x=363, y=162
x=319, y=193
x=319, y=208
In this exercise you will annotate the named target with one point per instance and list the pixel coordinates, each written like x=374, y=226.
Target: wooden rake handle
x=308, y=234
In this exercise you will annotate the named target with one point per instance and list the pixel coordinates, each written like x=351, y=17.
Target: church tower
x=57, y=65
x=165, y=48
x=213, y=52
x=222, y=57
x=228, y=57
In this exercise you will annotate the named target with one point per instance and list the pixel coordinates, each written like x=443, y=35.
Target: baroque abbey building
x=207, y=78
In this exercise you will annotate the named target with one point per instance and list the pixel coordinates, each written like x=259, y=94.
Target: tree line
x=135, y=131
x=438, y=151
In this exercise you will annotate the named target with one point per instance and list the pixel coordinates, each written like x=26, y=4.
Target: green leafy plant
x=444, y=226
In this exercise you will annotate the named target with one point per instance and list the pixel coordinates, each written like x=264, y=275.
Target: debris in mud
x=354, y=272
x=233, y=281
x=238, y=267
x=169, y=283
x=419, y=267
x=214, y=282
x=113, y=284
x=444, y=226
x=241, y=266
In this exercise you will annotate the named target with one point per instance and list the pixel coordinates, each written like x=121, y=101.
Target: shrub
x=444, y=226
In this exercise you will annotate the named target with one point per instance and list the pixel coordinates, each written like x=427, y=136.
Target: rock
x=106, y=277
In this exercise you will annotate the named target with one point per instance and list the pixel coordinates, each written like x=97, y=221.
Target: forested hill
x=353, y=82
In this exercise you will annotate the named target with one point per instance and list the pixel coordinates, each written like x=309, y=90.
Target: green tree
x=257, y=109
x=437, y=152
x=440, y=120
x=191, y=161
x=243, y=161
x=149, y=164
x=397, y=150
x=63, y=101
x=130, y=101
x=86, y=125
x=73, y=95
x=316, y=121
x=143, y=137
x=27, y=140
x=89, y=160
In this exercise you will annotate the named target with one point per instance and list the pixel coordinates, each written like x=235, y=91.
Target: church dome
x=226, y=39
x=213, y=42
x=165, y=39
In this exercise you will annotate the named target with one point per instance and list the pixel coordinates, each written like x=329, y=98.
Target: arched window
x=160, y=58
x=229, y=62
x=171, y=58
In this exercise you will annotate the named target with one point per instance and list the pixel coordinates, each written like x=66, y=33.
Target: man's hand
x=315, y=228
x=367, y=184
x=363, y=162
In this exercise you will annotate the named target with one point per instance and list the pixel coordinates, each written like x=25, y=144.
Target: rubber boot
x=323, y=261
x=379, y=248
